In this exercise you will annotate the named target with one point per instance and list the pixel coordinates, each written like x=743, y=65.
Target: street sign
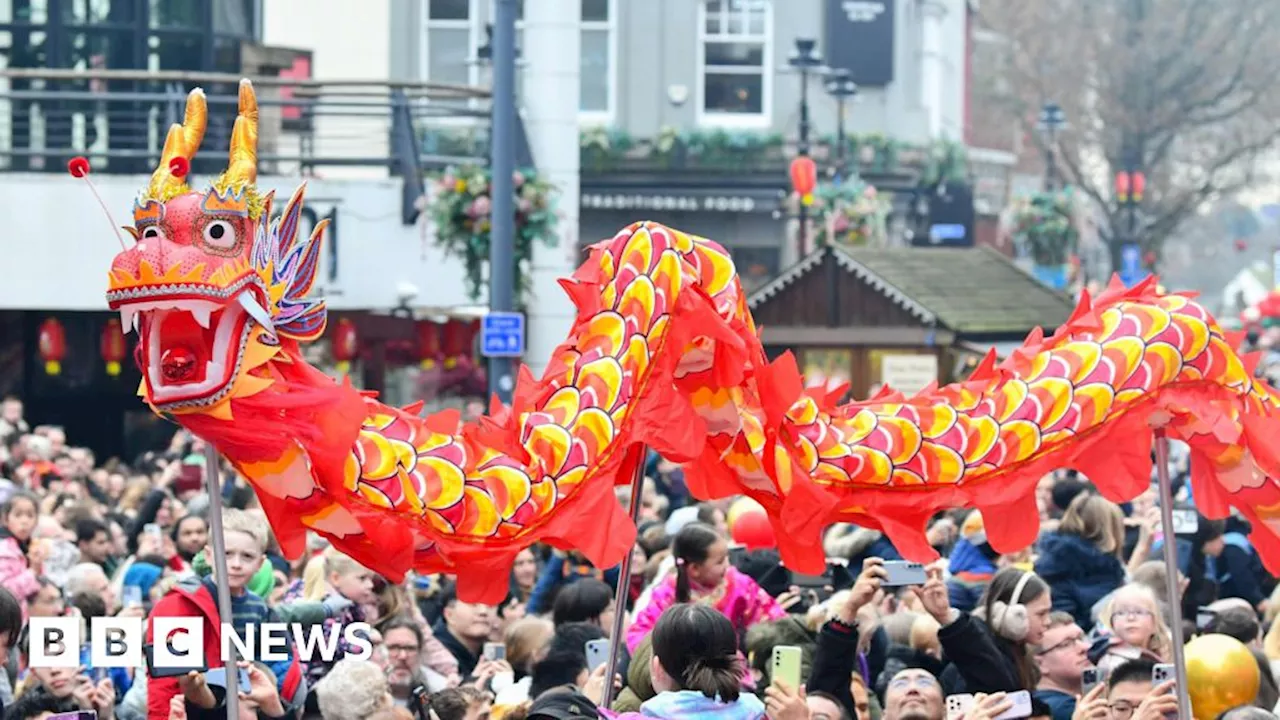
x=502, y=334
x=1131, y=272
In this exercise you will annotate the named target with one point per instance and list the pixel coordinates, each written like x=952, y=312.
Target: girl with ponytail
x=704, y=576
x=696, y=669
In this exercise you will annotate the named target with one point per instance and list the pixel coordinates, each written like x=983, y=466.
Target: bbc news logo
x=179, y=642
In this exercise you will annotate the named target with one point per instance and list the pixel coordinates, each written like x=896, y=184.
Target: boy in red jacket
x=246, y=539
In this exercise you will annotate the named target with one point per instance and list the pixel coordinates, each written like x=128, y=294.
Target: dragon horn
x=182, y=141
x=242, y=168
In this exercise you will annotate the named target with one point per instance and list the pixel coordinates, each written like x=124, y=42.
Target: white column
x=551, y=51
x=932, y=68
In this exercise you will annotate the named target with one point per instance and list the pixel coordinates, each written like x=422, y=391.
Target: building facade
x=690, y=112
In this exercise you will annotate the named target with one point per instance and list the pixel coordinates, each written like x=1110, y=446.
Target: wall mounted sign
x=859, y=38
x=683, y=201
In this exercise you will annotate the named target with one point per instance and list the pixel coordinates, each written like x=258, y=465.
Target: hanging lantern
x=1123, y=185
x=53, y=345
x=429, y=343
x=1139, y=186
x=804, y=178
x=344, y=344
x=459, y=335
x=113, y=347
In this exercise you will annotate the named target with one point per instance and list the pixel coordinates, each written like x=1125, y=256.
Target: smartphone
x=100, y=674
x=811, y=581
x=900, y=573
x=1163, y=673
x=132, y=596
x=74, y=715
x=786, y=665
x=1092, y=678
x=218, y=676
x=1185, y=522
x=153, y=529
x=148, y=654
x=597, y=653
x=959, y=705
x=495, y=651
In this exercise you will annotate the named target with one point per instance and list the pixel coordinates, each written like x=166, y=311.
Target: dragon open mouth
x=190, y=349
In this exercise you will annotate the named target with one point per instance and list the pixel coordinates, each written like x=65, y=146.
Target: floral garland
x=852, y=212
x=1045, y=226
x=461, y=208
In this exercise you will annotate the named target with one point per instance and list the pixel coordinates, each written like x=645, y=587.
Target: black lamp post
x=1052, y=119
x=805, y=60
x=841, y=87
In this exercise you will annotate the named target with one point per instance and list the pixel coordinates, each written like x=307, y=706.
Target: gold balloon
x=740, y=506
x=1221, y=674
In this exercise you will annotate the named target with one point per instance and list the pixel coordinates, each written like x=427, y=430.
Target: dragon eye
x=220, y=234
x=152, y=233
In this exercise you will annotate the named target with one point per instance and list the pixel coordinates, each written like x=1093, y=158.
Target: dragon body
x=664, y=355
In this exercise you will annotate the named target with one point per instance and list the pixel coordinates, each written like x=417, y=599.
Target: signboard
x=681, y=201
x=859, y=38
x=502, y=334
x=908, y=373
x=951, y=217
x=1131, y=272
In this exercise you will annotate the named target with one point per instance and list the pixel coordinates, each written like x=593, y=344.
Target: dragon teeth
x=256, y=311
x=202, y=314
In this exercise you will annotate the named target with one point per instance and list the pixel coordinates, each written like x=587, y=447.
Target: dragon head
x=212, y=286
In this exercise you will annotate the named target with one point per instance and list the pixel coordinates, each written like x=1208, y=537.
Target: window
x=598, y=58
x=735, y=81
x=449, y=56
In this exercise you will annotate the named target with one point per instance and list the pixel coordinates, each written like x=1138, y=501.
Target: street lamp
x=1052, y=119
x=804, y=60
x=841, y=87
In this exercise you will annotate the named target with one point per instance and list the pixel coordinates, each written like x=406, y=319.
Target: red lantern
x=344, y=344
x=804, y=178
x=1122, y=187
x=428, y=343
x=1139, y=185
x=112, y=346
x=53, y=345
x=459, y=335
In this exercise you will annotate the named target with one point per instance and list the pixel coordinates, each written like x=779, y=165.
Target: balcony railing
x=118, y=119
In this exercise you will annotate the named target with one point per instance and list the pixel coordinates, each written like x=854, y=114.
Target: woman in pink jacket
x=20, y=560
x=704, y=575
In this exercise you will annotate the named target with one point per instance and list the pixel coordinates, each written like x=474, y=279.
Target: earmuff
x=1010, y=619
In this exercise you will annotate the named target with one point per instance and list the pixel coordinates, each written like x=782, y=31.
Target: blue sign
x=502, y=334
x=1131, y=272
x=950, y=231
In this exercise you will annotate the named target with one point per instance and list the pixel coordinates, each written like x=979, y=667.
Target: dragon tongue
x=256, y=311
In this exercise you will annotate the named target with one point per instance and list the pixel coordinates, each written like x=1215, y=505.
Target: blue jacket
x=555, y=574
x=1240, y=571
x=1078, y=574
x=971, y=572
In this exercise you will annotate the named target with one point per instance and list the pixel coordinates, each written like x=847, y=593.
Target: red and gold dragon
x=663, y=354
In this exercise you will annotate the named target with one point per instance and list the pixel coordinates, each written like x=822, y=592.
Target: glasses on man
x=919, y=681
x=1070, y=642
x=402, y=649
x=1122, y=709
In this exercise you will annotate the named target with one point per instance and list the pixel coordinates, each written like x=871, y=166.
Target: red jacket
x=191, y=598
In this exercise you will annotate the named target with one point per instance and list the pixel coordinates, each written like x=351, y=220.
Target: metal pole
x=1171, y=571
x=840, y=141
x=802, y=237
x=502, y=162
x=623, y=588
x=214, y=488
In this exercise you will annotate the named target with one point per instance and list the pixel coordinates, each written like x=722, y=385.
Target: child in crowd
x=704, y=575
x=1133, y=620
x=349, y=581
x=246, y=541
x=20, y=559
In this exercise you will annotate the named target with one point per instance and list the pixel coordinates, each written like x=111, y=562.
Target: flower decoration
x=1044, y=225
x=461, y=210
x=853, y=212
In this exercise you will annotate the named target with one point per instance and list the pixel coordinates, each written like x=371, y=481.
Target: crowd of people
x=1079, y=621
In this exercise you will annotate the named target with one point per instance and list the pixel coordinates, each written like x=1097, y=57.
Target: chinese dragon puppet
x=664, y=355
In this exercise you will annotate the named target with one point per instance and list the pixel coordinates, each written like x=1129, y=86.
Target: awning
x=1003, y=349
